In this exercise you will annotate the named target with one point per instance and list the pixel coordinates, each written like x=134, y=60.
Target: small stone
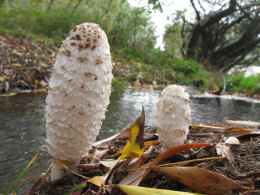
x=232, y=141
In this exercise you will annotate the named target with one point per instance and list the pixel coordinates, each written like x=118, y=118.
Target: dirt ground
x=243, y=169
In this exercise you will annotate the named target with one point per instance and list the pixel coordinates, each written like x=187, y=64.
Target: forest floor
x=240, y=163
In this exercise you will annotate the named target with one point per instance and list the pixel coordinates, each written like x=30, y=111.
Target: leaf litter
x=202, y=165
x=24, y=64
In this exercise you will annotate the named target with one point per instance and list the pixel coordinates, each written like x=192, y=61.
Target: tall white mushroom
x=78, y=95
x=173, y=116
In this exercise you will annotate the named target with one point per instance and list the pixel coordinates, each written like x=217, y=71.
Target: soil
x=244, y=169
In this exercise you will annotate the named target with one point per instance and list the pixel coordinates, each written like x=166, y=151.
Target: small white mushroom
x=232, y=141
x=78, y=95
x=173, y=116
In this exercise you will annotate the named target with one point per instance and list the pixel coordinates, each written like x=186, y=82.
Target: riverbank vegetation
x=131, y=34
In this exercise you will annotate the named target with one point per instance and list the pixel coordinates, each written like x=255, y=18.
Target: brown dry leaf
x=134, y=174
x=135, y=177
x=200, y=179
x=225, y=151
x=170, y=152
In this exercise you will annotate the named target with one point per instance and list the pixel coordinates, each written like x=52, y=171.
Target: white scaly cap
x=78, y=95
x=173, y=116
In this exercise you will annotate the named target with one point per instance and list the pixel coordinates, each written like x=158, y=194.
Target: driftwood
x=248, y=124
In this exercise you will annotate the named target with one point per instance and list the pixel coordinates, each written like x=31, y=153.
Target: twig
x=254, y=174
x=190, y=161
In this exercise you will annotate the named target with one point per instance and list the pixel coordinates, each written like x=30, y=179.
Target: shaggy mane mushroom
x=78, y=95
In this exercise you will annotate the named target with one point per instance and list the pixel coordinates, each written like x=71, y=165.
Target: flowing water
x=22, y=123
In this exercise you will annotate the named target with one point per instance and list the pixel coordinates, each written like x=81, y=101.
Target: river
x=22, y=123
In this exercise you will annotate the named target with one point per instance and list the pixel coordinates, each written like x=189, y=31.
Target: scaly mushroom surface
x=173, y=116
x=79, y=91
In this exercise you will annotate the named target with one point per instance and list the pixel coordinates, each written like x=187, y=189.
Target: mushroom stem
x=57, y=171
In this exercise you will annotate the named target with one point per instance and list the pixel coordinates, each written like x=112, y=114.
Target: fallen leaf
x=170, y=152
x=225, y=151
x=110, y=163
x=97, y=180
x=200, y=179
x=135, y=146
x=136, y=190
x=135, y=177
x=17, y=65
x=134, y=174
x=11, y=94
x=146, y=144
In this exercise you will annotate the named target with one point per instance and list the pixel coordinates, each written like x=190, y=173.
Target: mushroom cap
x=173, y=116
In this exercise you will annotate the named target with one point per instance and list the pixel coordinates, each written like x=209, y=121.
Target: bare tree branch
x=196, y=11
x=216, y=17
x=204, y=11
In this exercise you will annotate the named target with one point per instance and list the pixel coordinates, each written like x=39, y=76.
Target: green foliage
x=119, y=84
x=130, y=33
x=190, y=72
x=125, y=26
x=242, y=84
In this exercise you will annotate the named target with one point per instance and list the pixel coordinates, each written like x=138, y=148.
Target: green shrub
x=242, y=84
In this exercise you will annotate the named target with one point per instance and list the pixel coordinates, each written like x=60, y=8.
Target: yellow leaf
x=1, y=78
x=17, y=65
x=12, y=94
x=146, y=144
x=97, y=180
x=135, y=146
x=136, y=190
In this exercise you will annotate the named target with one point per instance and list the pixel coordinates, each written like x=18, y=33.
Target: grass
x=18, y=178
